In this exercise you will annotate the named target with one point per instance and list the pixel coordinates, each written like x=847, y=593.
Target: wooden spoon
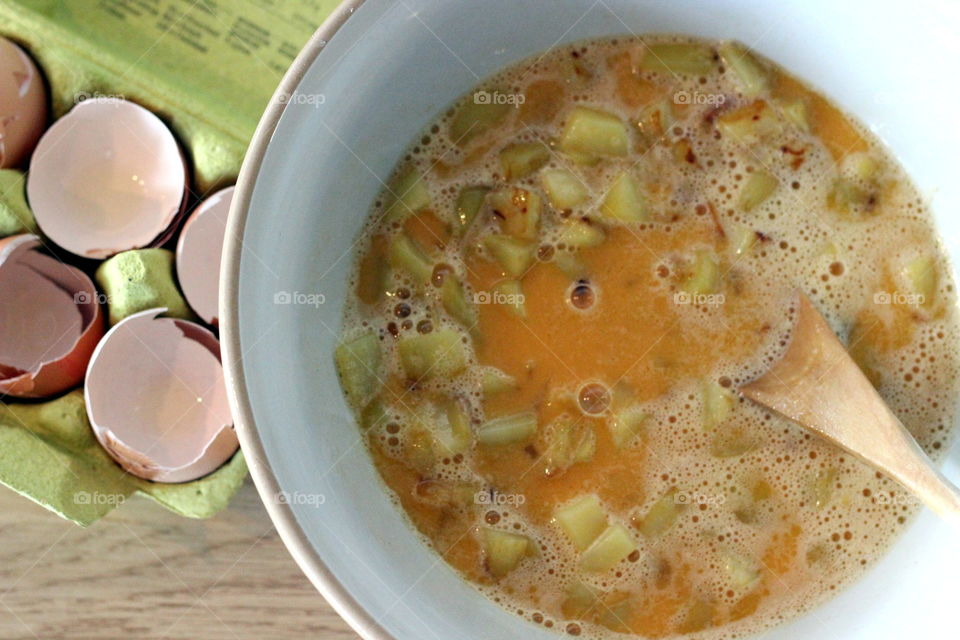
x=818, y=385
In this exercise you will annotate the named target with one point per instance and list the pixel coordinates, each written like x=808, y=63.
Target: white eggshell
x=105, y=178
x=156, y=398
x=23, y=104
x=198, y=254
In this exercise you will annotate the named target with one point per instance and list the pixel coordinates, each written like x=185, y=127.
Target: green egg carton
x=208, y=71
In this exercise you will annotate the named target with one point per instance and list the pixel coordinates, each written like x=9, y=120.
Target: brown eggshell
x=157, y=401
x=198, y=254
x=50, y=321
x=23, y=104
x=107, y=177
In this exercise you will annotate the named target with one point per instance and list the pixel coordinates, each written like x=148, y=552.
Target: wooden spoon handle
x=927, y=483
x=817, y=385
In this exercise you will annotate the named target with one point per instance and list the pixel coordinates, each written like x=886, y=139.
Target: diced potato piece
x=625, y=424
x=731, y=442
x=566, y=443
x=438, y=354
x=571, y=265
x=829, y=249
x=699, y=616
x=923, y=277
x=861, y=165
x=654, y=121
x=518, y=210
x=717, y=404
x=822, y=486
x=520, y=159
x=374, y=414
x=408, y=194
x=418, y=450
x=741, y=571
x=706, y=275
x=680, y=58
x=581, y=233
x=457, y=438
x=373, y=271
x=661, y=515
x=758, y=187
x=748, y=508
x=624, y=201
x=427, y=231
x=543, y=100
x=632, y=88
x=818, y=554
x=662, y=570
x=474, y=118
x=455, y=301
x=504, y=550
x=761, y=490
x=683, y=152
x=622, y=395
x=612, y=546
x=615, y=612
x=797, y=113
x=747, y=513
x=468, y=206
x=750, y=123
x=358, y=363
x=581, y=600
x=866, y=333
x=514, y=256
x=751, y=74
x=508, y=429
x=582, y=520
x=447, y=494
x=509, y=293
x=493, y=380
x=742, y=240
x=583, y=159
x=847, y=196
x=563, y=189
x=404, y=255
x=594, y=133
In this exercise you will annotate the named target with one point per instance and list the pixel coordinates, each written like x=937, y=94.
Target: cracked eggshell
x=198, y=254
x=50, y=321
x=23, y=104
x=157, y=401
x=107, y=177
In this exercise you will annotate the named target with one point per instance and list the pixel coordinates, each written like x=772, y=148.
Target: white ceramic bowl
x=374, y=75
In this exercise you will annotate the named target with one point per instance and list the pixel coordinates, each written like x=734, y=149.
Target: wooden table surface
x=143, y=572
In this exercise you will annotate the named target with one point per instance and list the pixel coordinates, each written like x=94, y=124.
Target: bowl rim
x=281, y=514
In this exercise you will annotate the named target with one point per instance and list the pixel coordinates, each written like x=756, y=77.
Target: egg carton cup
x=208, y=78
